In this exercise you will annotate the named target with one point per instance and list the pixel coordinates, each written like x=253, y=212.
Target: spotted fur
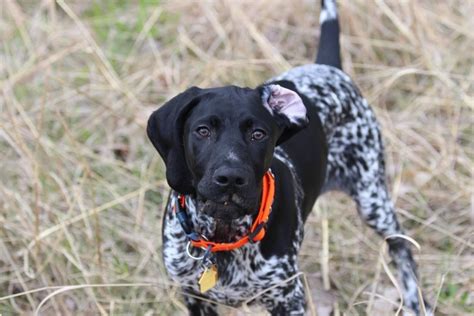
x=355, y=165
x=356, y=162
x=243, y=272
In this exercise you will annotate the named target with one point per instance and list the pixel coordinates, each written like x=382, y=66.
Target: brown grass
x=82, y=190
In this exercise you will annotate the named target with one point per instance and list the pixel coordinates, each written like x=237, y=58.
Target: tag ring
x=188, y=252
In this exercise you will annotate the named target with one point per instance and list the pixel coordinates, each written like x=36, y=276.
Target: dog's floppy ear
x=165, y=130
x=287, y=108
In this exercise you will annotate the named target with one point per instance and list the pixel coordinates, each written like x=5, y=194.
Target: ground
x=82, y=189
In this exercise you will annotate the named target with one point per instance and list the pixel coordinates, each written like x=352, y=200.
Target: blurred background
x=82, y=189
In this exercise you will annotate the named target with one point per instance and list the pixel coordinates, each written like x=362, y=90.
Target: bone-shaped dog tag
x=208, y=278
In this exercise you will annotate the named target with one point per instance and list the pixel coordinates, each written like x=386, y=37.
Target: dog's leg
x=286, y=300
x=197, y=307
x=376, y=209
x=356, y=166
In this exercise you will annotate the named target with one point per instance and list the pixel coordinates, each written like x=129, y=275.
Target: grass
x=82, y=190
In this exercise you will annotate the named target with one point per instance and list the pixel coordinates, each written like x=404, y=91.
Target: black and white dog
x=312, y=128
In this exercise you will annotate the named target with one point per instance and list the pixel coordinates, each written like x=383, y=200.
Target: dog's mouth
x=226, y=220
x=225, y=209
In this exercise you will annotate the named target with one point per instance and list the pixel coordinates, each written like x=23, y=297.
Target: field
x=82, y=189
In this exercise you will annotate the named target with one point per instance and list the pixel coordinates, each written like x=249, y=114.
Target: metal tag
x=208, y=278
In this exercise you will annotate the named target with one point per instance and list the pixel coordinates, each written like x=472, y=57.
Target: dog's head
x=218, y=143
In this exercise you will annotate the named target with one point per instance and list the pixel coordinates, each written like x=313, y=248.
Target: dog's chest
x=242, y=273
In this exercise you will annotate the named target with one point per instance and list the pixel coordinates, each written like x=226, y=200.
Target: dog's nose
x=226, y=177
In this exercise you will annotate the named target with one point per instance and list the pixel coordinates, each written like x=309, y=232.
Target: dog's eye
x=258, y=134
x=203, y=131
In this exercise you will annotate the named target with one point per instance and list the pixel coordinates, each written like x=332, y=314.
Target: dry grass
x=82, y=189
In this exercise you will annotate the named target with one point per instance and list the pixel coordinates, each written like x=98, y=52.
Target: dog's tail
x=329, y=52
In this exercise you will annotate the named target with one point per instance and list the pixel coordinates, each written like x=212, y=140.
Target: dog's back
x=355, y=159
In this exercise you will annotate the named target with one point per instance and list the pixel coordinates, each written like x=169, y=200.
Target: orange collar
x=257, y=231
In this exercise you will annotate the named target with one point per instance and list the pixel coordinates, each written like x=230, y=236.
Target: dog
x=246, y=167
